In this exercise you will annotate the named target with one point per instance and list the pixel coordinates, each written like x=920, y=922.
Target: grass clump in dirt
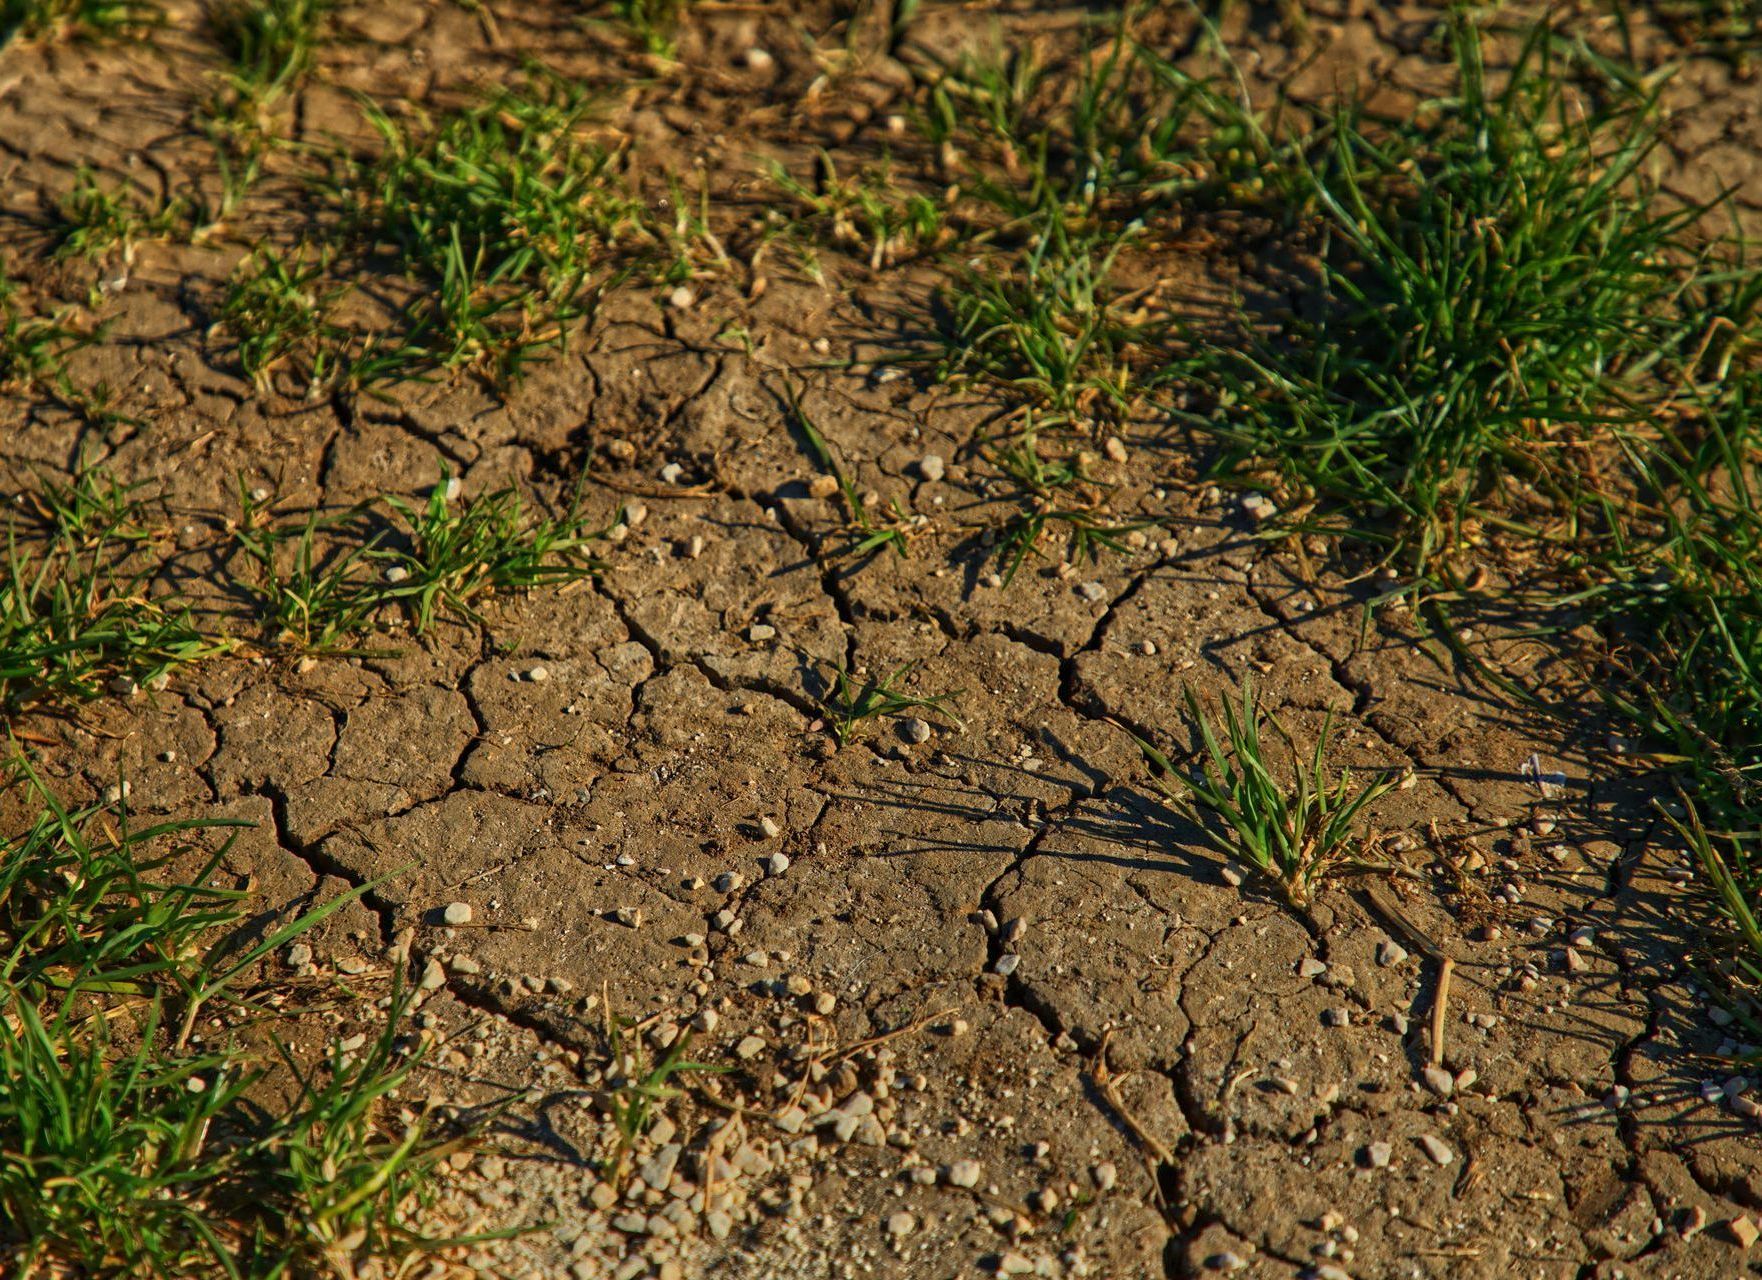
x=33, y=349
x=853, y=701
x=319, y=581
x=866, y=210
x=1053, y=493
x=655, y=23
x=1293, y=832
x=1682, y=605
x=279, y=307
x=1503, y=290
x=641, y=1087
x=80, y=612
x=46, y=19
x=268, y=47
x=125, y=1148
x=504, y=215
x=1045, y=327
x=93, y=220
x=865, y=533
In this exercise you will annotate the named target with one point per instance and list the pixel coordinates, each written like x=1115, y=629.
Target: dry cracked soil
x=983, y=1000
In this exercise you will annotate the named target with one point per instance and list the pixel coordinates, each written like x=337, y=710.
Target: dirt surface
x=987, y=1003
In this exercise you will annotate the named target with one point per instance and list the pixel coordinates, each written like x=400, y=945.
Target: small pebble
x=749, y=1048
x=1006, y=964
x=931, y=467
x=758, y=59
x=1336, y=1017
x=1378, y=1154
x=457, y=913
x=1258, y=507
x=770, y=828
x=1439, y=1081
x=1436, y=1149
x=901, y=1224
x=681, y=299
x=777, y=864
x=1226, y=1261
x=915, y=730
x=963, y=1173
x=1390, y=953
x=1310, y=967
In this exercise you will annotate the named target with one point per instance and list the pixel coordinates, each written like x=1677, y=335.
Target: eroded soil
x=995, y=1006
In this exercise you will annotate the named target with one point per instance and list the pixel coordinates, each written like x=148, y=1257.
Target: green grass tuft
x=1503, y=288
x=93, y=220
x=47, y=19
x=322, y=580
x=277, y=307
x=33, y=349
x=1294, y=832
x=852, y=701
x=79, y=611
x=123, y=1150
x=505, y=214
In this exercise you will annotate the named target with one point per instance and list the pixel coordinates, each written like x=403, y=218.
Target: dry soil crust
x=994, y=1006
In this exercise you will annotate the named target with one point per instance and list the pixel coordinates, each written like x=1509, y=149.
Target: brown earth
x=995, y=946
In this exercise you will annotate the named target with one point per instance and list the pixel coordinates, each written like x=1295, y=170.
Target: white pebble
x=1436, y=1149
x=963, y=1173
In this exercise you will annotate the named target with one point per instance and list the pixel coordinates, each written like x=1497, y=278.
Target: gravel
x=456, y=913
x=963, y=1173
